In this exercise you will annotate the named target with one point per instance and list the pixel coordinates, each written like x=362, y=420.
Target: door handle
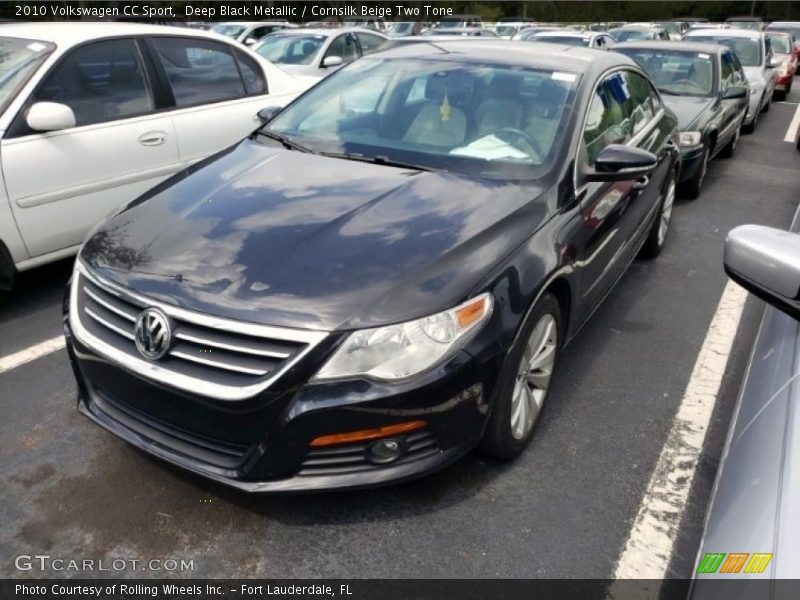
x=641, y=183
x=153, y=138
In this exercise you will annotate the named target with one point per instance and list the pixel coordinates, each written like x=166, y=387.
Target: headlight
x=690, y=138
x=398, y=351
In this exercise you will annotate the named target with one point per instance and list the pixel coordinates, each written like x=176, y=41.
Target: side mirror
x=766, y=262
x=331, y=61
x=617, y=162
x=774, y=63
x=265, y=115
x=735, y=92
x=50, y=116
x=250, y=41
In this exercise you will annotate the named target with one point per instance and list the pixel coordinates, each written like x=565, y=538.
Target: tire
x=730, y=147
x=519, y=398
x=691, y=187
x=660, y=229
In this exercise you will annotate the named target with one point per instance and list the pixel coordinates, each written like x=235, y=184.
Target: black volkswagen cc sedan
x=705, y=86
x=380, y=278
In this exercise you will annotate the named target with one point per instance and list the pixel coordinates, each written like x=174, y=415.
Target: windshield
x=19, y=59
x=747, y=49
x=795, y=31
x=671, y=27
x=290, y=49
x=780, y=44
x=402, y=28
x=567, y=40
x=471, y=118
x=631, y=35
x=676, y=72
x=751, y=25
x=504, y=30
x=228, y=30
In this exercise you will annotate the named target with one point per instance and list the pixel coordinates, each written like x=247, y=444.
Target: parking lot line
x=647, y=552
x=12, y=361
x=791, y=133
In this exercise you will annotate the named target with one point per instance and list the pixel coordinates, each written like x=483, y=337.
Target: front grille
x=209, y=356
x=351, y=458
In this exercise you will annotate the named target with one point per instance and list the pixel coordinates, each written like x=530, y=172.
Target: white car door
x=218, y=91
x=61, y=183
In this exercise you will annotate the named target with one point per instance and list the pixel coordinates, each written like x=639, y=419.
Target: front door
x=61, y=183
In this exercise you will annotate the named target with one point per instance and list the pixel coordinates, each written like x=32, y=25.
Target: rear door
x=61, y=183
x=216, y=90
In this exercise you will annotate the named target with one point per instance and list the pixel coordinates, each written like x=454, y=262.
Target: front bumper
x=262, y=445
x=754, y=105
x=691, y=159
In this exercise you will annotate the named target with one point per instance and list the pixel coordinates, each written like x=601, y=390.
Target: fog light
x=385, y=451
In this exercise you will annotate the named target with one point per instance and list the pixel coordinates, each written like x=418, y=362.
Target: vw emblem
x=153, y=333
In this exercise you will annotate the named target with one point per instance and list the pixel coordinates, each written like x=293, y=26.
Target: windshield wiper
x=378, y=160
x=287, y=143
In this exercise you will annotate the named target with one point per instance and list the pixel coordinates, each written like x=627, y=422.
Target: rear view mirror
x=617, y=162
x=265, y=115
x=735, y=92
x=50, y=116
x=331, y=61
x=766, y=262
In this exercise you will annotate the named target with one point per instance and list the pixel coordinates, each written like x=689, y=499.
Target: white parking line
x=650, y=543
x=791, y=133
x=12, y=361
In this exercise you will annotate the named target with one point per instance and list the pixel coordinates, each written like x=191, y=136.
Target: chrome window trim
x=631, y=142
x=160, y=374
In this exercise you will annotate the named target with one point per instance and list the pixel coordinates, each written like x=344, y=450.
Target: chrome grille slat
x=217, y=364
x=214, y=341
x=108, y=324
x=243, y=358
x=109, y=305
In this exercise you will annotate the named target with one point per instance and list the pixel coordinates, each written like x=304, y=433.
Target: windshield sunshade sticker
x=36, y=47
x=445, y=109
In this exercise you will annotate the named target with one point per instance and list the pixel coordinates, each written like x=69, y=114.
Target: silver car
x=754, y=51
x=753, y=525
x=318, y=52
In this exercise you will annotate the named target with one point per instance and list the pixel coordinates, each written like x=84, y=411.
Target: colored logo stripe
x=716, y=561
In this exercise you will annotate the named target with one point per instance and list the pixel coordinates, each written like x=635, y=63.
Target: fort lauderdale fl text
x=225, y=11
x=179, y=591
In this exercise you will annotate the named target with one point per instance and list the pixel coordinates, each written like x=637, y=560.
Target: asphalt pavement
x=564, y=509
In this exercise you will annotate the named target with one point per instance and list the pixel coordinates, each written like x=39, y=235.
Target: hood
x=285, y=238
x=754, y=74
x=687, y=108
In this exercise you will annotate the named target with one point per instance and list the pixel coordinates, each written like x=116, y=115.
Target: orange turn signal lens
x=474, y=311
x=366, y=434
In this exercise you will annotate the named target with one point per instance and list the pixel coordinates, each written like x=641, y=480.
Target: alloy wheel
x=533, y=376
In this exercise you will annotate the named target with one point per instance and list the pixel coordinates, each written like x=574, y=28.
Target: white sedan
x=94, y=114
x=318, y=52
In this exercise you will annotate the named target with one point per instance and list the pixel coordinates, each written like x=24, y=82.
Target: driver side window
x=345, y=46
x=607, y=121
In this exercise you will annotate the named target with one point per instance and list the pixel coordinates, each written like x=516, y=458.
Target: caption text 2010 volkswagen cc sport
x=380, y=278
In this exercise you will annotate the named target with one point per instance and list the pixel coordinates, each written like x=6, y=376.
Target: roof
x=672, y=46
x=71, y=33
x=554, y=57
x=566, y=34
x=326, y=31
x=726, y=33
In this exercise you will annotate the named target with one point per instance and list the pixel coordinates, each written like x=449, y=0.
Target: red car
x=785, y=57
